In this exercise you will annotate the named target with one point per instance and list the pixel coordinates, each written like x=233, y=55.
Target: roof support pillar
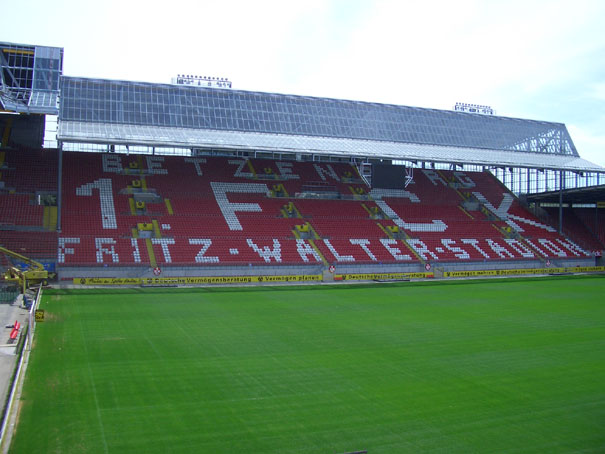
x=561, y=183
x=59, y=178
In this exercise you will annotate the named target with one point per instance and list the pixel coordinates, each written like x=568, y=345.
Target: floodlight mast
x=474, y=108
x=201, y=81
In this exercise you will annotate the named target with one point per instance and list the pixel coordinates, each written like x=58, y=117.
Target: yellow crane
x=30, y=276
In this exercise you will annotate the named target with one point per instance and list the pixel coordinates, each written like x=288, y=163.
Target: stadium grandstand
x=164, y=181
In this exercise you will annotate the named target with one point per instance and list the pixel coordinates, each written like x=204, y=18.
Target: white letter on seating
x=379, y=193
x=509, y=218
x=436, y=225
x=266, y=253
x=108, y=211
x=304, y=249
x=228, y=209
x=474, y=243
x=337, y=256
x=502, y=210
x=460, y=253
x=573, y=247
x=238, y=172
x=464, y=180
x=136, y=254
x=99, y=242
x=66, y=250
x=285, y=171
x=519, y=247
x=421, y=248
x=500, y=250
x=196, y=162
x=154, y=165
x=544, y=254
x=394, y=251
x=364, y=245
x=552, y=247
x=200, y=258
x=323, y=173
x=112, y=163
x=164, y=242
x=434, y=177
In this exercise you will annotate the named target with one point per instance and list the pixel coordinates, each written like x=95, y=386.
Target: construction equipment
x=34, y=274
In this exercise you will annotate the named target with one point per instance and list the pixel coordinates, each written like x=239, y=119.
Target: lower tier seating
x=36, y=245
x=204, y=211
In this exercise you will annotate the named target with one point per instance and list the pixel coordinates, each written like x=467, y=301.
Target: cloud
x=590, y=143
x=597, y=91
x=436, y=53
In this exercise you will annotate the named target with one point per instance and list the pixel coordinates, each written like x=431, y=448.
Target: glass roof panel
x=171, y=106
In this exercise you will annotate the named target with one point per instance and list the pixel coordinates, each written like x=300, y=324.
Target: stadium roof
x=163, y=115
x=590, y=194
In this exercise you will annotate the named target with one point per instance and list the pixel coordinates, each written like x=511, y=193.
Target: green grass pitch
x=477, y=366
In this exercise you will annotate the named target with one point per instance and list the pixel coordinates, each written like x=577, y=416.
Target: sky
x=534, y=59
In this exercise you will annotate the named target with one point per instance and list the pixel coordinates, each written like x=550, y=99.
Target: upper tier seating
x=29, y=171
x=24, y=175
x=18, y=210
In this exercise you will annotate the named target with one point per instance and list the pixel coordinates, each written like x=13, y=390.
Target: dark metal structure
x=29, y=78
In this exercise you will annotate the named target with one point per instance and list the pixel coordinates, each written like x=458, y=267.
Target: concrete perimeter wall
x=66, y=274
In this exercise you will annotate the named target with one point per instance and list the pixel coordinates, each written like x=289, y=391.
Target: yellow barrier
x=319, y=278
x=517, y=272
x=107, y=281
x=195, y=280
x=39, y=315
x=381, y=276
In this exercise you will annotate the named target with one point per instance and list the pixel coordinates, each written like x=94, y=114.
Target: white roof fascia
x=153, y=136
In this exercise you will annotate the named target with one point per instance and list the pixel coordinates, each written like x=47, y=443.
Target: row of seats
x=19, y=210
x=217, y=210
x=593, y=220
x=41, y=245
x=25, y=171
x=217, y=199
x=583, y=225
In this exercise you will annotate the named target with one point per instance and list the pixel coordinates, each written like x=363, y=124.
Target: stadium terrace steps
x=41, y=245
x=18, y=210
x=593, y=220
x=192, y=211
x=30, y=171
x=222, y=213
x=25, y=178
x=580, y=223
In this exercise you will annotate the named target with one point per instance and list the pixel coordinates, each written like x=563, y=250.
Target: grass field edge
x=294, y=287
